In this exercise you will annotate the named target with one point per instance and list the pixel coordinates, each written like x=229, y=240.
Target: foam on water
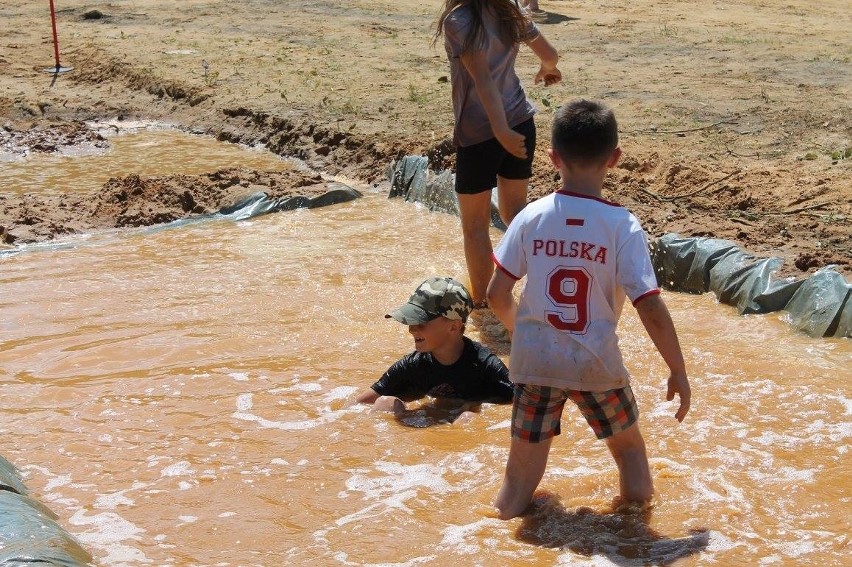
x=245, y=403
x=110, y=533
x=467, y=539
x=398, y=477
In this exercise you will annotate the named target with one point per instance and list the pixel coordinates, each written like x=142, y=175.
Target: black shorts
x=478, y=166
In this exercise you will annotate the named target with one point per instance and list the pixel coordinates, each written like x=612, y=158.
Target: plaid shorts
x=537, y=411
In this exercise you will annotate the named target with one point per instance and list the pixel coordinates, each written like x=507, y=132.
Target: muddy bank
x=809, y=229
x=134, y=201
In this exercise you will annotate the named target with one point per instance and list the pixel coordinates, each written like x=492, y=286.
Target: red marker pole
x=59, y=68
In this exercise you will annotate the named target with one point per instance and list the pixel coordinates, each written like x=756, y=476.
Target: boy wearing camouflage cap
x=445, y=363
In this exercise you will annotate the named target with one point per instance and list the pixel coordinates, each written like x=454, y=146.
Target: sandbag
x=746, y=282
x=821, y=307
x=684, y=264
x=408, y=174
x=410, y=179
x=259, y=203
x=28, y=530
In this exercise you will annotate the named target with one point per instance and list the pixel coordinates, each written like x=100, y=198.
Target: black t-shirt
x=477, y=376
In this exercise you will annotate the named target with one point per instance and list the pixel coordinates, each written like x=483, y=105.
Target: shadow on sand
x=554, y=18
x=623, y=538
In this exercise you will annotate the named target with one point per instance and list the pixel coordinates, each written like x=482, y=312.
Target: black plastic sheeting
x=253, y=205
x=258, y=204
x=411, y=179
x=820, y=305
x=28, y=531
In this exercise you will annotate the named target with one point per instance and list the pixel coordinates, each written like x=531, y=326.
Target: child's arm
x=549, y=59
x=658, y=323
x=501, y=300
x=492, y=102
x=367, y=396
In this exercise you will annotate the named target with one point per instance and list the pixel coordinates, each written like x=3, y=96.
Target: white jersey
x=582, y=256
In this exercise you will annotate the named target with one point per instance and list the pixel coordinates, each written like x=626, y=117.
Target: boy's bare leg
x=628, y=450
x=475, y=212
x=511, y=197
x=524, y=470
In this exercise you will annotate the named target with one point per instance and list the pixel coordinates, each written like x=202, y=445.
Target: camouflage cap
x=435, y=297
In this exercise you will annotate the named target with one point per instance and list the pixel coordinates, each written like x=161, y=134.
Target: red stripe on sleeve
x=502, y=269
x=575, y=222
x=646, y=294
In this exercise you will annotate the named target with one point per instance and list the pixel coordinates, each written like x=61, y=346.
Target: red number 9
x=568, y=289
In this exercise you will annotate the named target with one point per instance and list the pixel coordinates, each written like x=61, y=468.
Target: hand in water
x=679, y=385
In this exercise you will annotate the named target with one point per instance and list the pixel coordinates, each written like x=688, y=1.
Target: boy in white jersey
x=582, y=256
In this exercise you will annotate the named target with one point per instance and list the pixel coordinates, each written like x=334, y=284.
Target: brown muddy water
x=179, y=397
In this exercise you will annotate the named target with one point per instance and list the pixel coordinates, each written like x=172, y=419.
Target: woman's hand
x=513, y=142
x=549, y=76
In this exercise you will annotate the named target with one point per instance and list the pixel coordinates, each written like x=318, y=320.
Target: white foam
x=339, y=393
x=399, y=477
x=108, y=533
x=393, y=502
x=574, y=472
x=245, y=403
x=239, y=376
x=464, y=539
x=180, y=468
x=306, y=387
x=57, y=481
x=785, y=475
x=718, y=542
x=801, y=546
x=112, y=501
x=505, y=424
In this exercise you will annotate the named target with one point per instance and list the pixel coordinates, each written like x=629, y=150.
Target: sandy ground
x=734, y=115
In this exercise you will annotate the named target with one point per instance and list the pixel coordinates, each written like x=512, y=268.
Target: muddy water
x=180, y=398
x=166, y=151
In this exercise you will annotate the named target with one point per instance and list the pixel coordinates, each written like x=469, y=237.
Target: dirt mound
x=46, y=137
x=134, y=201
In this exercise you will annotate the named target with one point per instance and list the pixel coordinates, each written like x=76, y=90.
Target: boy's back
x=582, y=255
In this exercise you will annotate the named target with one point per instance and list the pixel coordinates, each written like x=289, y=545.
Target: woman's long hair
x=512, y=21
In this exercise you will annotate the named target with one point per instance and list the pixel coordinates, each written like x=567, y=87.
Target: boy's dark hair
x=584, y=131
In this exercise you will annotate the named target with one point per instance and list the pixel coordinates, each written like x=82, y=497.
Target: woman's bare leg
x=475, y=212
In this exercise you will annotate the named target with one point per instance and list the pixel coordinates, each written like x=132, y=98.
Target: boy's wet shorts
x=537, y=411
x=478, y=166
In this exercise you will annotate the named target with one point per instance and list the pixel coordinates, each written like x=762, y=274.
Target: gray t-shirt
x=471, y=122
